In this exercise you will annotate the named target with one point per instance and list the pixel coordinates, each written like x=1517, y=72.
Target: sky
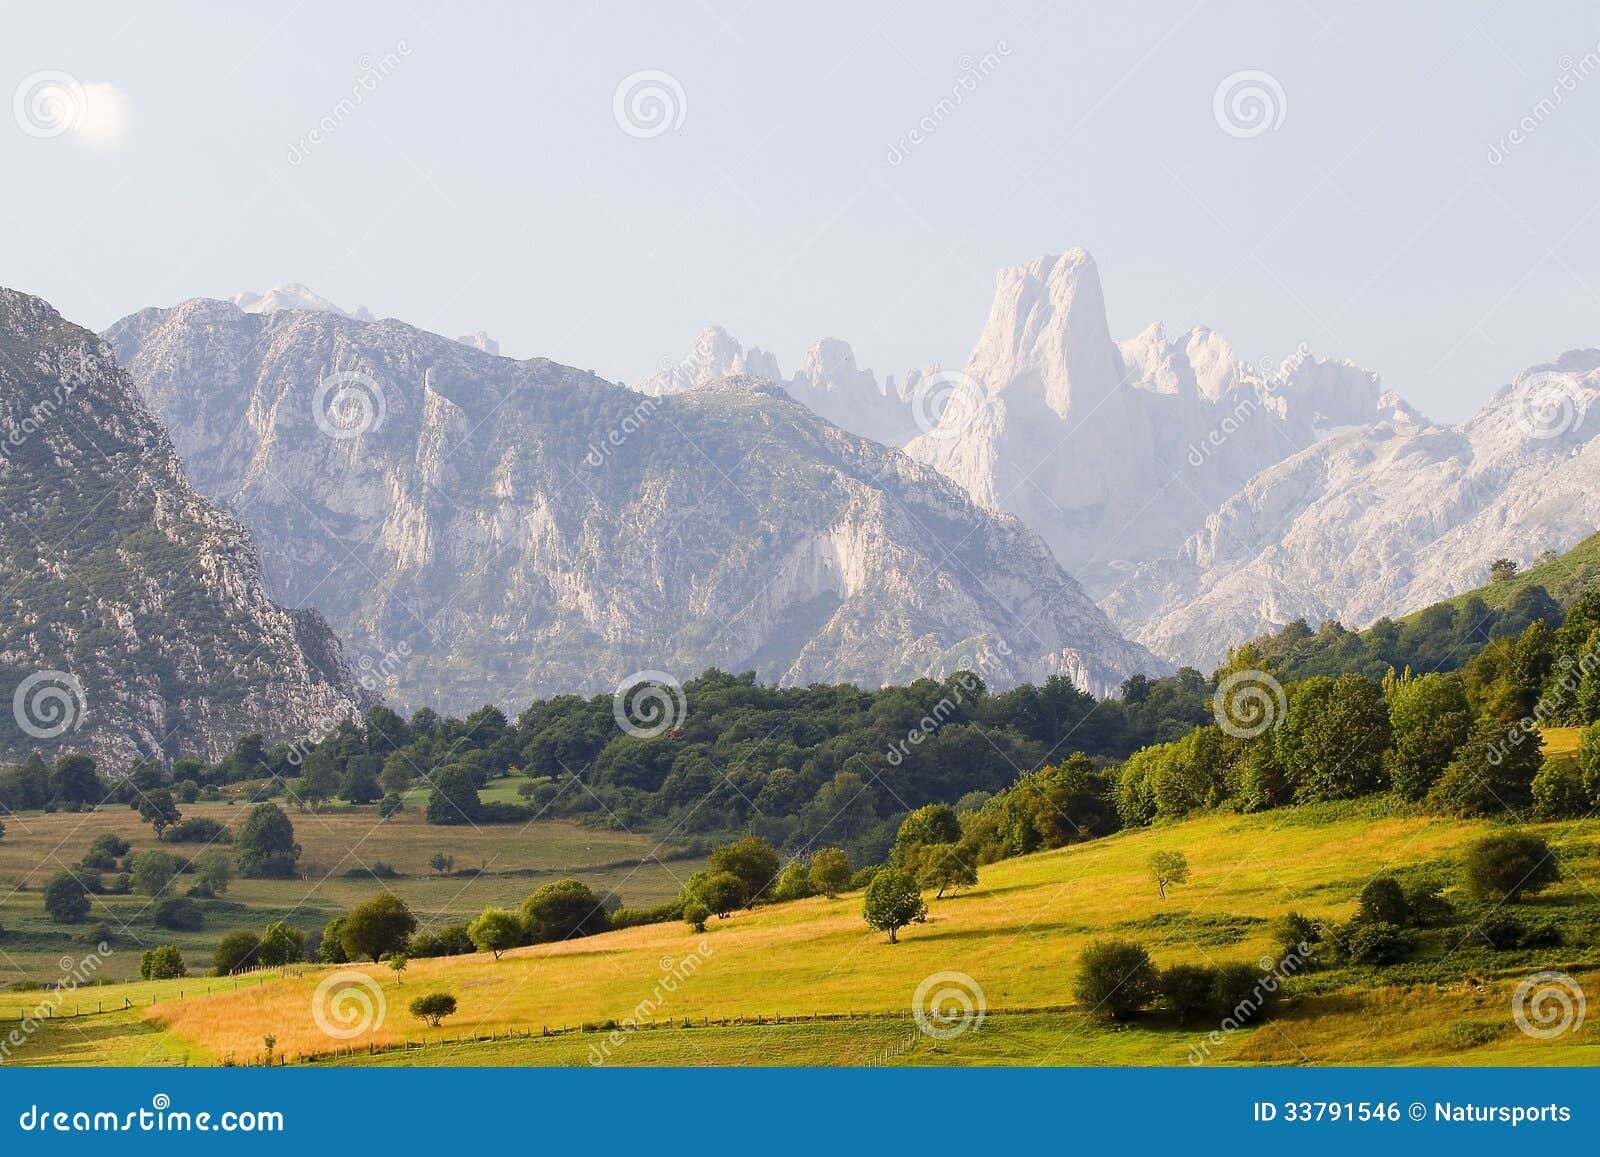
x=1410, y=186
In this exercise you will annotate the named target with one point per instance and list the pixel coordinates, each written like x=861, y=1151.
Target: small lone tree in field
x=830, y=872
x=442, y=863
x=158, y=809
x=397, y=965
x=893, y=900
x=1509, y=865
x=494, y=931
x=1167, y=869
x=695, y=915
x=433, y=1007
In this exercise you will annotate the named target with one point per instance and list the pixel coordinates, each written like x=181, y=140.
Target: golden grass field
x=514, y=860
x=1018, y=934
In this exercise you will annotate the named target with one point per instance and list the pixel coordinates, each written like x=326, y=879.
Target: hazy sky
x=485, y=177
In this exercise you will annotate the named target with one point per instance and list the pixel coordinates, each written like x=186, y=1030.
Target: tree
x=934, y=824
x=1332, y=741
x=235, y=951
x=397, y=965
x=75, y=780
x=330, y=949
x=213, y=871
x=1502, y=570
x=793, y=882
x=265, y=847
x=454, y=799
x=361, y=784
x=433, y=1007
x=158, y=809
x=164, y=963
x=1492, y=772
x=390, y=805
x=179, y=915
x=695, y=915
x=893, y=900
x=1167, y=869
x=1186, y=991
x=947, y=867
x=318, y=780
x=721, y=892
x=1509, y=865
x=1115, y=979
x=153, y=872
x=494, y=931
x=753, y=860
x=563, y=910
x=281, y=944
x=380, y=925
x=830, y=872
x=442, y=863
x=66, y=899
x=1431, y=718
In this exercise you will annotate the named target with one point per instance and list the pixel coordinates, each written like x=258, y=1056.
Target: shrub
x=1383, y=902
x=380, y=925
x=562, y=910
x=1241, y=993
x=1508, y=865
x=1427, y=907
x=1558, y=791
x=1376, y=943
x=164, y=963
x=66, y=899
x=198, y=830
x=1296, y=936
x=453, y=940
x=1115, y=979
x=1501, y=931
x=1186, y=991
x=793, y=882
x=234, y=951
x=695, y=915
x=179, y=915
x=281, y=944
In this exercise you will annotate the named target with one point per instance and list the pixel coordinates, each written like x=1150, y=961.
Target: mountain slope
x=1114, y=452
x=499, y=529
x=133, y=619
x=1381, y=521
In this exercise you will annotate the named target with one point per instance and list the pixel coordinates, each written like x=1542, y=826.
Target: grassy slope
x=1017, y=934
x=518, y=857
x=1564, y=578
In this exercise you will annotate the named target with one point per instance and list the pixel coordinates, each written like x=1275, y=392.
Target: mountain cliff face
x=828, y=382
x=1383, y=520
x=133, y=618
x=496, y=529
x=1114, y=452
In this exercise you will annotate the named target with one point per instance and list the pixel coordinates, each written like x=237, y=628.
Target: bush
x=1296, y=936
x=281, y=944
x=1428, y=908
x=830, y=872
x=695, y=915
x=1186, y=991
x=453, y=940
x=179, y=915
x=1376, y=943
x=1115, y=979
x=234, y=951
x=199, y=830
x=66, y=899
x=1383, y=902
x=164, y=963
x=562, y=910
x=1501, y=931
x=863, y=876
x=1509, y=865
x=1558, y=791
x=381, y=925
x=1241, y=993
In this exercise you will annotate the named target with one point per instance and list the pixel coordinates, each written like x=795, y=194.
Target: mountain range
x=133, y=618
x=488, y=530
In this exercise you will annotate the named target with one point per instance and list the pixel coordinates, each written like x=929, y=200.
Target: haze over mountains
x=522, y=528
x=134, y=621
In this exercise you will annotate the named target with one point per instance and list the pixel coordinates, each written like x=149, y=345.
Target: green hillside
x=1564, y=578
